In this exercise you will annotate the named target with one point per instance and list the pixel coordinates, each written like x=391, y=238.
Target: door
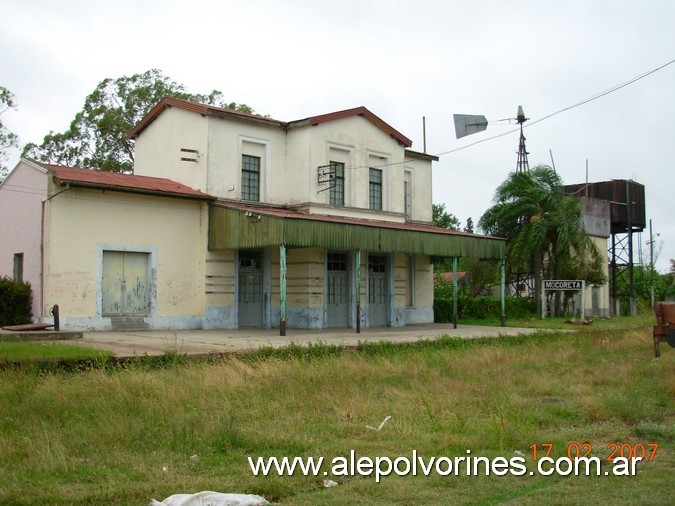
x=250, y=288
x=337, y=290
x=377, y=290
x=124, y=285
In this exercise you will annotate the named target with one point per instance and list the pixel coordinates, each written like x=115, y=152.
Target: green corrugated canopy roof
x=242, y=226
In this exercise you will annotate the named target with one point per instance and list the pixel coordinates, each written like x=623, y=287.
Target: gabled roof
x=356, y=111
x=205, y=110
x=75, y=176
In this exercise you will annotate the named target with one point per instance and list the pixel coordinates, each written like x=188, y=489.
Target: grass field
x=124, y=435
x=32, y=351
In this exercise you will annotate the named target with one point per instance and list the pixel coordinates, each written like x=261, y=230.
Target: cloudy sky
x=292, y=59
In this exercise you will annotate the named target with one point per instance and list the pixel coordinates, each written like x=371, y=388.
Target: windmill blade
x=467, y=124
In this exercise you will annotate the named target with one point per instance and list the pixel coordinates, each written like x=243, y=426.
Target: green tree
x=97, y=137
x=444, y=219
x=8, y=139
x=664, y=286
x=544, y=229
x=469, y=225
x=480, y=275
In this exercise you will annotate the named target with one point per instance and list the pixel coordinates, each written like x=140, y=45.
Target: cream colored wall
x=304, y=277
x=298, y=173
x=158, y=148
x=289, y=161
x=603, y=303
x=400, y=279
x=424, y=281
x=228, y=141
x=363, y=145
x=421, y=182
x=84, y=222
x=220, y=271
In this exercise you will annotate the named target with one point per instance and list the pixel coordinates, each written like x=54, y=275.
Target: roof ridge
x=204, y=109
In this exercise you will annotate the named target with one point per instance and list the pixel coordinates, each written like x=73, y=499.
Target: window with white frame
x=18, y=267
x=375, y=189
x=337, y=189
x=407, y=194
x=250, y=178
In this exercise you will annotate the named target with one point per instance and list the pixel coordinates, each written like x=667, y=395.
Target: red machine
x=664, y=330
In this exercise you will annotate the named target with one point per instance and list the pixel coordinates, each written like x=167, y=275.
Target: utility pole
x=651, y=260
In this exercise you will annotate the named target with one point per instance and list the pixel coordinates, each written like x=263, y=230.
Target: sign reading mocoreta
x=557, y=284
x=563, y=284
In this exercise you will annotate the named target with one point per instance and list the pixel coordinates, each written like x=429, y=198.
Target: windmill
x=468, y=124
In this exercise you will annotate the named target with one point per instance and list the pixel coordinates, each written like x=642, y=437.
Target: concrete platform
x=135, y=343
x=40, y=335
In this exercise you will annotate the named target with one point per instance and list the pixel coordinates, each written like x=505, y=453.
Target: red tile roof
x=448, y=276
x=76, y=176
x=360, y=111
x=205, y=109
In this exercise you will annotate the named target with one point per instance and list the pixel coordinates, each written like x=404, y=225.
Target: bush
x=15, y=302
x=482, y=308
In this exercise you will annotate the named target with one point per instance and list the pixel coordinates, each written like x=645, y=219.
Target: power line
x=590, y=99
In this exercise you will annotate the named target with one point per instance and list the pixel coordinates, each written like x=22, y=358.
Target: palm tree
x=544, y=229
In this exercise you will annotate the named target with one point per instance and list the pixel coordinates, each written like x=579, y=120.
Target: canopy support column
x=282, y=290
x=357, y=270
x=503, y=292
x=454, y=292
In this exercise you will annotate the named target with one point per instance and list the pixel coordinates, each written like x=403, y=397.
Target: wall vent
x=189, y=155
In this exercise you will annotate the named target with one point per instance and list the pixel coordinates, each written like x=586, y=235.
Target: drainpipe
x=42, y=248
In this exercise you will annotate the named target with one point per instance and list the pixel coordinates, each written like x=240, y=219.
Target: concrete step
x=126, y=323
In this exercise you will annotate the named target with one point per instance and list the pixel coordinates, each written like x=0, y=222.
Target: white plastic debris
x=518, y=452
x=208, y=498
x=194, y=458
x=381, y=425
x=165, y=469
x=330, y=483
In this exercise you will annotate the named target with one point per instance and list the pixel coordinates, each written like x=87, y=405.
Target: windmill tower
x=522, y=165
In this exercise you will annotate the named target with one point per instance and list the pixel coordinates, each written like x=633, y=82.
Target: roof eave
x=126, y=189
x=421, y=156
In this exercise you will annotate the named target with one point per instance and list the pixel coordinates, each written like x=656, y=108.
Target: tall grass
x=122, y=436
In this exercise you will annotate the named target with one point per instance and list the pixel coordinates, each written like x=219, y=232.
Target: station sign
x=559, y=284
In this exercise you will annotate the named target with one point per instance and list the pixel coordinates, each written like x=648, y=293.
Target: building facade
x=235, y=220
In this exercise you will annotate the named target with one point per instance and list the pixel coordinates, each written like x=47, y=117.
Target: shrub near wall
x=15, y=302
x=482, y=308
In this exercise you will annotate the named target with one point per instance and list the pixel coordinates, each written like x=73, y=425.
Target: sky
x=404, y=61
